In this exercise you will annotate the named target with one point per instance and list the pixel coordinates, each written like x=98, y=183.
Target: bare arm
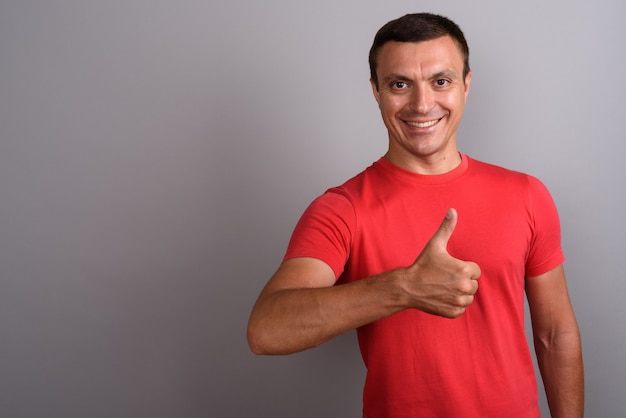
x=300, y=307
x=557, y=343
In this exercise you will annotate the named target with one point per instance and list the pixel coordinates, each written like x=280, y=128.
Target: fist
x=438, y=283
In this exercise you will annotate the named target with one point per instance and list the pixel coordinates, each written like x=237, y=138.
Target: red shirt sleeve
x=324, y=231
x=545, y=251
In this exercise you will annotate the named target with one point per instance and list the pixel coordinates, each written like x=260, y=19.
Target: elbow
x=563, y=340
x=257, y=347
x=258, y=339
x=261, y=333
x=264, y=340
x=254, y=341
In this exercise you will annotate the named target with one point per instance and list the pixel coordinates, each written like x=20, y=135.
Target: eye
x=399, y=85
x=442, y=82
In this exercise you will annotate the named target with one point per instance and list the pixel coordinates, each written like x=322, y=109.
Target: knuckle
x=460, y=302
x=463, y=301
x=466, y=269
x=466, y=287
x=456, y=312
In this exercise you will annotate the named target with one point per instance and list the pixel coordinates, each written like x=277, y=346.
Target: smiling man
x=428, y=254
x=421, y=93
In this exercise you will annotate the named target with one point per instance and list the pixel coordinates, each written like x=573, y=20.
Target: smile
x=422, y=124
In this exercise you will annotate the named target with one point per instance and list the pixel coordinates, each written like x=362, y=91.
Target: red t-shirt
x=421, y=365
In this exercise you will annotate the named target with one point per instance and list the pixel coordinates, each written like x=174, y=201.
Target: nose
x=422, y=99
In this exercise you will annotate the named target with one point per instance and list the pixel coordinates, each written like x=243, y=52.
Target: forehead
x=428, y=56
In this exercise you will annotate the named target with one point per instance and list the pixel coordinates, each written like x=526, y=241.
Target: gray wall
x=155, y=156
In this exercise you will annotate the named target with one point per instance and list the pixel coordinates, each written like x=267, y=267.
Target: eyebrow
x=395, y=76
x=445, y=73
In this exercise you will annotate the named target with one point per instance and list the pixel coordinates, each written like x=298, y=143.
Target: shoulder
x=355, y=188
x=482, y=167
x=501, y=174
x=514, y=185
x=337, y=205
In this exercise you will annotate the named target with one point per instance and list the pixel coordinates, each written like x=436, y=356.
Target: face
x=421, y=95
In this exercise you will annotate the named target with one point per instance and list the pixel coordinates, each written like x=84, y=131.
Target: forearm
x=561, y=366
x=291, y=320
x=300, y=307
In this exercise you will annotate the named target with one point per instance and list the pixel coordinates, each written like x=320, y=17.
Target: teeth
x=422, y=124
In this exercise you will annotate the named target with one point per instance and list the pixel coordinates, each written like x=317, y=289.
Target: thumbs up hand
x=438, y=283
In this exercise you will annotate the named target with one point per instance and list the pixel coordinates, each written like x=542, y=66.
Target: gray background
x=155, y=156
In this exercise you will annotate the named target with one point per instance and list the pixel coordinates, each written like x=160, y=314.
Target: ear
x=468, y=80
x=375, y=91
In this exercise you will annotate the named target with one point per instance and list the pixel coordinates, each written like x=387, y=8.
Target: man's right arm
x=301, y=307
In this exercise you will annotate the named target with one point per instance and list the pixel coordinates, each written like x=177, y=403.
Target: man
x=400, y=251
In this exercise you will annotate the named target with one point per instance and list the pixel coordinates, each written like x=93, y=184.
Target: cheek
x=453, y=104
x=390, y=105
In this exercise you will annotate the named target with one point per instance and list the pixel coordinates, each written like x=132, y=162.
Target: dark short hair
x=418, y=27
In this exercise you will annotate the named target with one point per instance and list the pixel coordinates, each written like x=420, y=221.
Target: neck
x=426, y=165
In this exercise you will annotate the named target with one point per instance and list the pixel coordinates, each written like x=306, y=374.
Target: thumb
x=446, y=228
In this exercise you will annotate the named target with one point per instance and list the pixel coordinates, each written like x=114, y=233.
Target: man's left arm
x=557, y=343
